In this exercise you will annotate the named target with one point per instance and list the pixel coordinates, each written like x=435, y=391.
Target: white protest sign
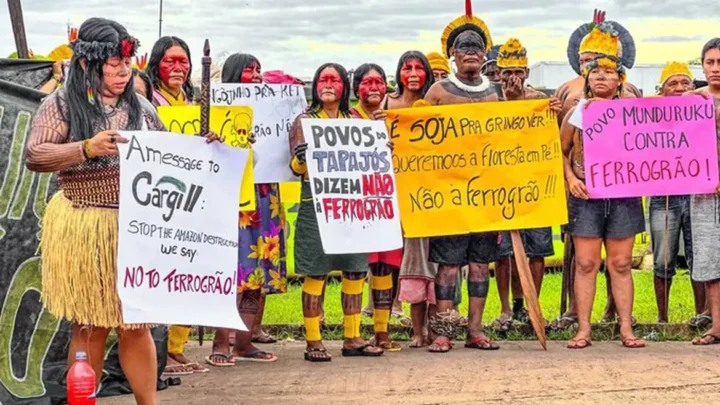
x=353, y=185
x=576, y=117
x=178, y=232
x=274, y=106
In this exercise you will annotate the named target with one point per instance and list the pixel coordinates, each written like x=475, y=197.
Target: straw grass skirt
x=79, y=264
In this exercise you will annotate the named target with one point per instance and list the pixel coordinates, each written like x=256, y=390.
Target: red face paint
x=372, y=88
x=174, y=67
x=251, y=74
x=330, y=84
x=413, y=75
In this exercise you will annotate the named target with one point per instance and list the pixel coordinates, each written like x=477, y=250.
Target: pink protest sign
x=650, y=146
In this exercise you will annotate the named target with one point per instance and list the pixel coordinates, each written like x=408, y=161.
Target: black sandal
x=361, y=352
x=314, y=359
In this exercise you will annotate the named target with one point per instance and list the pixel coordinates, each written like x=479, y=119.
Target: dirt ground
x=519, y=373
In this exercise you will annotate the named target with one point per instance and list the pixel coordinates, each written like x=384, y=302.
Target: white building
x=550, y=75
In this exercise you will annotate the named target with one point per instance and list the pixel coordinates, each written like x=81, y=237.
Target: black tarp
x=33, y=370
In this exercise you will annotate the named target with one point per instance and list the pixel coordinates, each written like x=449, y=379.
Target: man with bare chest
x=467, y=85
x=467, y=39
x=513, y=68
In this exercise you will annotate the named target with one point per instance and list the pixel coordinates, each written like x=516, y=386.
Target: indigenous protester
x=169, y=71
x=415, y=271
x=75, y=133
x=571, y=91
x=467, y=39
x=370, y=88
x=670, y=216
x=512, y=62
x=330, y=100
x=261, y=252
x=440, y=66
x=704, y=209
x=490, y=68
x=580, y=51
x=594, y=222
x=142, y=84
x=415, y=76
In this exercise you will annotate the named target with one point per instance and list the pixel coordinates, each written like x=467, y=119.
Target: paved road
x=519, y=373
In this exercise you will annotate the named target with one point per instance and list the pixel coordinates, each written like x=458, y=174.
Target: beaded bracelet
x=87, y=150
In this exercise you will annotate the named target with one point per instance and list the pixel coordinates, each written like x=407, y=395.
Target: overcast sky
x=299, y=35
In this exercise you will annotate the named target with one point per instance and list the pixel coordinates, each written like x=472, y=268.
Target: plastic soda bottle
x=81, y=382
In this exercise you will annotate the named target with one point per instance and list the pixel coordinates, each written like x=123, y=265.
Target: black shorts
x=460, y=250
x=538, y=243
x=616, y=218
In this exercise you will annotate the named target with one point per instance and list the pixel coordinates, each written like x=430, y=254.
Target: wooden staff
x=205, y=90
x=566, y=296
x=528, y=286
x=205, y=117
x=18, y=26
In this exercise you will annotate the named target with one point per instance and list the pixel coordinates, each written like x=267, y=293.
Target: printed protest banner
x=178, y=240
x=232, y=122
x=478, y=167
x=274, y=107
x=650, y=147
x=351, y=176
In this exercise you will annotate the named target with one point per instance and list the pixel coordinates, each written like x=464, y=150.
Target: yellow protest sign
x=478, y=167
x=235, y=123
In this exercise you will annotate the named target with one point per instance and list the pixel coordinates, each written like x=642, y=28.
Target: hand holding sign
x=105, y=143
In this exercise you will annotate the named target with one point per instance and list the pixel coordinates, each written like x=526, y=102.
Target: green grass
x=287, y=308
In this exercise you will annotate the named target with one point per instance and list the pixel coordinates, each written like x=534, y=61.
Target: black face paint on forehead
x=469, y=42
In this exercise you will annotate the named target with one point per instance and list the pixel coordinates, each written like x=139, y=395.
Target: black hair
x=156, y=56
x=146, y=80
x=235, y=64
x=429, y=77
x=82, y=110
x=363, y=70
x=316, y=102
x=710, y=45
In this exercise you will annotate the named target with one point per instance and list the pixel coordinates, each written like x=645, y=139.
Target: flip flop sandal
x=314, y=359
x=176, y=370
x=361, y=352
x=502, y=325
x=197, y=368
x=392, y=347
x=227, y=356
x=252, y=357
x=628, y=343
x=701, y=342
x=264, y=339
x=570, y=322
x=441, y=343
x=700, y=321
x=587, y=344
x=482, y=343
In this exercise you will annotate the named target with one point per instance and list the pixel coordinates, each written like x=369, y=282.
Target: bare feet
x=419, y=342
